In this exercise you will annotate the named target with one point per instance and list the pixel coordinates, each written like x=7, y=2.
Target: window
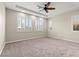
x=50, y=26
x=75, y=21
x=28, y=23
x=24, y=23
x=18, y=23
x=39, y=24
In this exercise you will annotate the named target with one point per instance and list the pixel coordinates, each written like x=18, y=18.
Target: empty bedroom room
x=39, y=29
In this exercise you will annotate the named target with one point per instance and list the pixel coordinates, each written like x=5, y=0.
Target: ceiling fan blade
x=47, y=5
x=46, y=10
x=50, y=8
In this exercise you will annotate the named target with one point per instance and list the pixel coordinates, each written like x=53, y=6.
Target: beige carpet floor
x=44, y=47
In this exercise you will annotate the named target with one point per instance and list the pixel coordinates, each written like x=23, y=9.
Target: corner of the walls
x=3, y=45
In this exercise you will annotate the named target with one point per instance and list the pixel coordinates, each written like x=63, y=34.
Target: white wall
x=11, y=32
x=2, y=26
x=62, y=27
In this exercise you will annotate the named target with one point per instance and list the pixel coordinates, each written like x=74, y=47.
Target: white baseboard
x=63, y=38
x=2, y=47
x=26, y=39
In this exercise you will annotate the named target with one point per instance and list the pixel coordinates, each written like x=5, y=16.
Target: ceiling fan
x=46, y=7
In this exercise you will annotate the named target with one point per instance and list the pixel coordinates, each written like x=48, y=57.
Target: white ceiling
x=61, y=7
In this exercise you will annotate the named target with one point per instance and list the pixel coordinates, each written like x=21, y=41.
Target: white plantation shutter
x=25, y=23
x=30, y=23
x=40, y=24
x=19, y=23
